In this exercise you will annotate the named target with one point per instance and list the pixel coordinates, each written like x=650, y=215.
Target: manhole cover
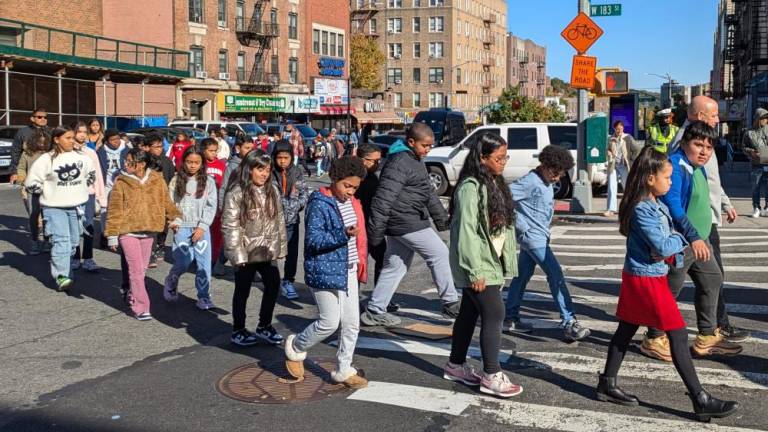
x=265, y=382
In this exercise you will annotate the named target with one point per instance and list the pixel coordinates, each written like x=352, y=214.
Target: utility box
x=596, y=140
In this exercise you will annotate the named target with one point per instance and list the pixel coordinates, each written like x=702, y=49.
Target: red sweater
x=176, y=151
x=216, y=169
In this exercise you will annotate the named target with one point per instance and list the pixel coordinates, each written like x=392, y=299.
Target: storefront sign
x=374, y=106
x=331, y=91
x=248, y=103
x=331, y=66
x=306, y=104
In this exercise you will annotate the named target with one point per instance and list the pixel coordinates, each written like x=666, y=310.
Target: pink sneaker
x=499, y=385
x=463, y=373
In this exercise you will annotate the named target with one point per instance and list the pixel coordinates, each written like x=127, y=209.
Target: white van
x=250, y=129
x=524, y=141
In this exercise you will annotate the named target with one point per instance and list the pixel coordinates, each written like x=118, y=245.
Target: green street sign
x=247, y=103
x=605, y=10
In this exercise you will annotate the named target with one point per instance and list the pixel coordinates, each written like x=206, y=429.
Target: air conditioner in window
x=439, y=81
x=224, y=76
x=398, y=81
x=431, y=56
x=390, y=32
x=397, y=56
x=201, y=74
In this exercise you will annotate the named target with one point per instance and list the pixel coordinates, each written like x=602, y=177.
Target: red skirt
x=647, y=301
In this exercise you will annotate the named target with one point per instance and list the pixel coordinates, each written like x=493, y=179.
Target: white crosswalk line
x=594, y=267
x=617, y=281
x=622, y=255
x=623, y=247
x=522, y=415
x=616, y=229
x=574, y=363
x=620, y=237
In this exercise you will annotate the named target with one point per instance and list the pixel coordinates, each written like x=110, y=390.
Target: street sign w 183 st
x=605, y=10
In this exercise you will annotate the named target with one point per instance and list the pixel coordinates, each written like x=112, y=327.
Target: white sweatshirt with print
x=63, y=181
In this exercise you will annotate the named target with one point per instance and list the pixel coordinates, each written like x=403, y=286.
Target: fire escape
x=361, y=13
x=487, y=81
x=260, y=34
x=748, y=49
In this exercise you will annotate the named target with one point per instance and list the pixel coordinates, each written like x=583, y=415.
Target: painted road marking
x=617, y=281
x=623, y=247
x=615, y=228
x=617, y=267
x=620, y=237
x=622, y=255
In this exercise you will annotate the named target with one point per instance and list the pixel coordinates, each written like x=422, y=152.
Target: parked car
x=449, y=126
x=384, y=142
x=7, y=133
x=249, y=128
x=524, y=141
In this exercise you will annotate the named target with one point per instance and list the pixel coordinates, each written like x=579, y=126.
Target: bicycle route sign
x=582, y=32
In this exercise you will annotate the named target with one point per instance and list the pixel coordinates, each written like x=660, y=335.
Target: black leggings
x=270, y=277
x=35, y=211
x=489, y=306
x=678, y=343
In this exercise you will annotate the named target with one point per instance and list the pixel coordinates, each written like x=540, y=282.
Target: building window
x=293, y=26
x=222, y=13
x=324, y=44
x=436, y=2
x=436, y=100
x=394, y=76
x=196, y=11
x=223, y=67
x=435, y=50
x=196, y=58
x=240, y=15
x=416, y=100
x=436, y=24
x=417, y=75
x=395, y=50
x=398, y=100
x=274, y=65
x=458, y=52
x=395, y=3
x=395, y=25
x=241, y=66
x=273, y=16
x=316, y=41
x=416, y=3
x=416, y=50
x=340, y=47
x=293, y=70
x=458, y=75
x=436, y=75
x=417, y=24
x=332, y=50
x=372, y=24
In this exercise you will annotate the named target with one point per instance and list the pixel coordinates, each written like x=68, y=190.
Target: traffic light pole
x=581, y=201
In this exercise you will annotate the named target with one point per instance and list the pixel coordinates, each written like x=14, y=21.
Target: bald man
x=726, y=336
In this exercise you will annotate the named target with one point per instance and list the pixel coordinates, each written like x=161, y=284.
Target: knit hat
x=761, y=113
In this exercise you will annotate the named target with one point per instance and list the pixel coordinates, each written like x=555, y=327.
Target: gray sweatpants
x=398, y=258
x=337, y=309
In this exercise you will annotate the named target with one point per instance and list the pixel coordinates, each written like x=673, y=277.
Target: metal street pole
x=581, y=201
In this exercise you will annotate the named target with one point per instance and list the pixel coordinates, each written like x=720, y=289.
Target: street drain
x=269, y=383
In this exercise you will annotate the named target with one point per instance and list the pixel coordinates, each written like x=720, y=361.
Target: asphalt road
x=77, y=361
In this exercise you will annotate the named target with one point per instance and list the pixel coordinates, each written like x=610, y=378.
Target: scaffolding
x=259, y=34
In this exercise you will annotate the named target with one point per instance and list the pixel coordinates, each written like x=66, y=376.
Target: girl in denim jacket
x=645, y=298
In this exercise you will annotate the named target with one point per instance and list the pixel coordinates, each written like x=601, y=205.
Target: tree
x=561, y=88
x=514, y=108
x=364, y=60
x=553, y=113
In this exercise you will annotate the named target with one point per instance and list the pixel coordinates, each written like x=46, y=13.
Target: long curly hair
x=255, y=159
x=500, y=207
x=182, y=176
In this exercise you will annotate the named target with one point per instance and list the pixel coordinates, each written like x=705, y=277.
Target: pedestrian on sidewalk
x=482, y=255
x=153, y=144
x=38, y=122
x=318, y=154
x=176, y=150
x=194, y=193
x=62, y=178
x=294, y=194
x=688, y=200
x=756, y=147
x=97, y=202
x=297, y=144
x=622, y=151
x=705, y=109
x=253, y=227
x=534, y=207
x=95, y=138
x=214, y=167
x=401, y=209
x=36, y=145
x=112, y=161
x=335, y=262
x=139, y=207
x=646, y=297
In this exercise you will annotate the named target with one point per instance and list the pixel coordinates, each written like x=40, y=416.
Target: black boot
x=609, y=391
x=705, y=406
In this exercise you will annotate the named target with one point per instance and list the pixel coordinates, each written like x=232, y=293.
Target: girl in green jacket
x=482, y=255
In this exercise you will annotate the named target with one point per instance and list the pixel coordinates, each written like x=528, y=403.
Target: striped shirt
x=350, y=220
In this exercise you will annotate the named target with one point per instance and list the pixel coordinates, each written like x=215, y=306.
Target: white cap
x=664, y=112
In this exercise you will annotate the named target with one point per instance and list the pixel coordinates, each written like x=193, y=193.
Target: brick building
x=527, y=67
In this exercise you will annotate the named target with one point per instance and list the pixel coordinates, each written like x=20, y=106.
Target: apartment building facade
x=440, y=53
x=527, y=67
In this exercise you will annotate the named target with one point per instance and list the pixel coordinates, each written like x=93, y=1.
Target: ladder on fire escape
x=259, y=33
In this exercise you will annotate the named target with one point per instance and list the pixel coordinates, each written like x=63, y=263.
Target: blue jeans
x=292, y=259
x=759, y=184
x=526, y=264
x=184, y=254
x=64, y=227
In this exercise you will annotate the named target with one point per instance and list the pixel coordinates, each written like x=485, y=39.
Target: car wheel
x=438, y=180
x=563, y=187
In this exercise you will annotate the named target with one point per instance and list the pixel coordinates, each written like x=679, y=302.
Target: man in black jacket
x=38, y=120
x=401, y=209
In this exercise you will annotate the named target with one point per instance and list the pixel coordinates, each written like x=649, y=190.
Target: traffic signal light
x=614, y=82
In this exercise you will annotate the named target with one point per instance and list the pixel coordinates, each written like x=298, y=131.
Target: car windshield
x=252, y=129
x=306, y=131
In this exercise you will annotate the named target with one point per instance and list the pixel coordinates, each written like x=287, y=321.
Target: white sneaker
x=498, y=384
x=89, y=265
x=757, y=213
x=74, y=264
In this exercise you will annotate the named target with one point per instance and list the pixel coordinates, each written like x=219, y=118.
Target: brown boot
x=715, y=344
x=355, y=381
x=656, y=348
x=294, y=361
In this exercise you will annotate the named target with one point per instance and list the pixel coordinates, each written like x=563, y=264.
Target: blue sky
x=651, y=36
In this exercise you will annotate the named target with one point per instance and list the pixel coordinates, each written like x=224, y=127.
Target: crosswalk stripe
x=574, y=363
x=623, y=247
x=616, y=229
x=594, y=267
x=622, y=255
x=609, y=327
x=617, y=281
x=519, y=414
x=620, y=237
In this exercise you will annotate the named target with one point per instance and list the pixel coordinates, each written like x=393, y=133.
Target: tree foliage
x=561, y=88
x=515, y=108
x=364, y=61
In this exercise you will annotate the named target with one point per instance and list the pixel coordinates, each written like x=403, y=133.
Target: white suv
x=524, y=141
